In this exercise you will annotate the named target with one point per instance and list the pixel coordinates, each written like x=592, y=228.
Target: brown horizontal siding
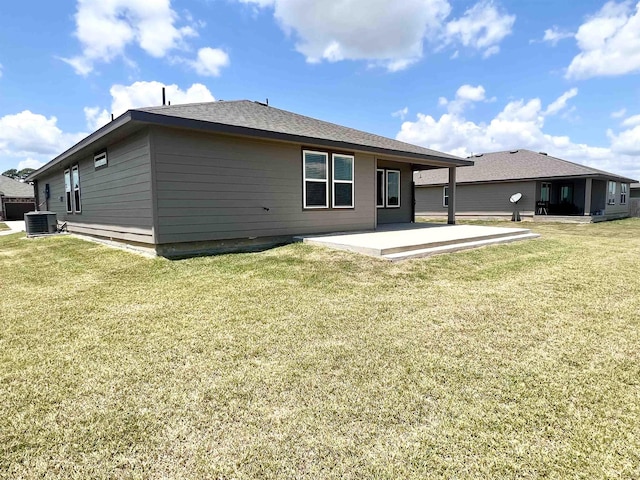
x=213, y=187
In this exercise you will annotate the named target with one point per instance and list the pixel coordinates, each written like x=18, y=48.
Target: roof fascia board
x=193, y=124
x=85, y=142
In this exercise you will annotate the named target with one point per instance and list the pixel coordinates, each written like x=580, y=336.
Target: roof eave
x=193, y=124
x=531, y=179
x=85, y=142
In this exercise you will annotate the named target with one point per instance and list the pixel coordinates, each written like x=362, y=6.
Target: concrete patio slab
x=403, y=241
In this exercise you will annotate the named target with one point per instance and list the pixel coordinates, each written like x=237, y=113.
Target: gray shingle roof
x=13, y=188
x=517, y=165
x=258, y=116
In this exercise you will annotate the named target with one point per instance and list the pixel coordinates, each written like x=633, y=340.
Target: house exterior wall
x=487, y=199
x=212, y=187
x=116, y=200
x=404, y=213
x=617, y=210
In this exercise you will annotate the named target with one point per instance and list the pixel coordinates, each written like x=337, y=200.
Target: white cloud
x=465, y=95
x=106, y=27
x=209, y=61
x=520, y=124
x=626, y=142
x=473, y=94
x=553, y=35
x=144, y=94
x=27, y=138
x=387, y=34
x=30, y=163
x=609, y=42
x=561, y=102
x=619, y=113
x=401, y=114
x=482, y=27
x=632, y=121
x=28, y=133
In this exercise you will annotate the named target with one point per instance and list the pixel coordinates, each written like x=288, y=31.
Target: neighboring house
x=551, y=188
x=16, y=199
x=230, y=175
x=634, y=202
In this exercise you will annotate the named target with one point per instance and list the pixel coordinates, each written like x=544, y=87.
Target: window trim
x=305, y=180
x=334, y=181
x=624, y=190
x=102, y=158
x=384, y=189
x=68, y=194
x=76, y=208
x=445, y=196
x=386, y=197
x=611, y=195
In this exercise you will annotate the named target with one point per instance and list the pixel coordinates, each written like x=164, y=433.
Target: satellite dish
x=515, y=198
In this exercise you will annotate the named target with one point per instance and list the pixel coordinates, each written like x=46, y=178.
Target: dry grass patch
x=518, y=360
x=3, y=226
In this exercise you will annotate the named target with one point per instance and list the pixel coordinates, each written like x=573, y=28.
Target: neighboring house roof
x=634, y=186
x=511, y=166
x=13, y=188
x=244, y=117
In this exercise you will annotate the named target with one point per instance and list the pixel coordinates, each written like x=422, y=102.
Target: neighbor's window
x=316, y=181
x=545, y=192
x=75, y=179
x=342, y=181
x=566, y=194
x=393, y=188
x=624, y=188
x=100, y=159
x=611, y=200
x=380, y=187
x=67, y=190
x=445, y=196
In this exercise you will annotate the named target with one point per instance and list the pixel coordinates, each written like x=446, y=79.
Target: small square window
x=100, y=159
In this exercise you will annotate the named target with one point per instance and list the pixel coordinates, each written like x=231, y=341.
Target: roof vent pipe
x=513, y=151
x=164, y=100
x=542, y=153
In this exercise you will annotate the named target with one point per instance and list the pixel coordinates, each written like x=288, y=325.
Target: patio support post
x=587, y=196
x=451, y=219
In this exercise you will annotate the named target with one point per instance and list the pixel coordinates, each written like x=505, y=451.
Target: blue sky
x=455, y=75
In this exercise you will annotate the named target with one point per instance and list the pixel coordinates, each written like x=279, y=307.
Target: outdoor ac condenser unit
x=40, y=223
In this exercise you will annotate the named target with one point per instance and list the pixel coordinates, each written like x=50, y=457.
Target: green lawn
x=512, y=361
x=3, y=226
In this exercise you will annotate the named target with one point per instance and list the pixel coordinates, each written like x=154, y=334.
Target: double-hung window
x=611, y=199
x=393, y=189
x=342, y=181
x=67, y=190
x=72, y=189
x=545, y=192
x=316, y=179
x=75, y=179
x=445, y=196
x=624, y=188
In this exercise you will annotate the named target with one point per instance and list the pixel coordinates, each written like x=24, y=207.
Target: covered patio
x=404, y=241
